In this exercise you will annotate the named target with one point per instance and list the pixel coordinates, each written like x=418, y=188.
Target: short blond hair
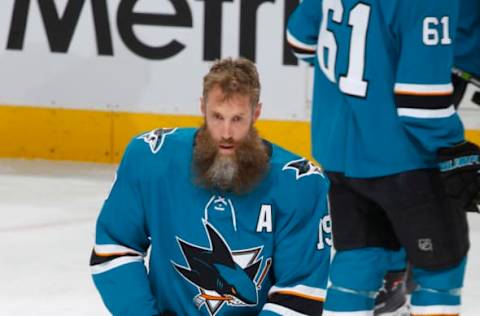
x=233, y=76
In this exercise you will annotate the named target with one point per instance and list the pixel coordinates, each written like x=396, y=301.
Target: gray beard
x=239, y=172
x=223, y=172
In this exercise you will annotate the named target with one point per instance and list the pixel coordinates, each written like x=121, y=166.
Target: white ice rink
x=47, y=218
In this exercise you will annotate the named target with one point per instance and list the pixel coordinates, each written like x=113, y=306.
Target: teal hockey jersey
x=467, y=42
x=382, y=88
x=211, y=253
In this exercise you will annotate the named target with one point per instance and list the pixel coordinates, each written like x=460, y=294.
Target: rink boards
x=80, y=78
x=101, y=136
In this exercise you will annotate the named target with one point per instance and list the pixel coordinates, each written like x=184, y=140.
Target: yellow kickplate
x=101, y=136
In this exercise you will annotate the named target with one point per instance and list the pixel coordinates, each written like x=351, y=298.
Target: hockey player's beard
x=238, y=172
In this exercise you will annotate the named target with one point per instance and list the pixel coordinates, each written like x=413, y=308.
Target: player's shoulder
x=300, y=184
x=160, y=143
x=404, y=12
x=414, y=6
x=162, y=140
x=293, y=170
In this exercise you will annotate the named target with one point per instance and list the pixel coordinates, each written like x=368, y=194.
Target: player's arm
x=423, y=88
x=302, y=30
x=460, y=165
x=121, y=243
x=424, y=96
x=302, y=250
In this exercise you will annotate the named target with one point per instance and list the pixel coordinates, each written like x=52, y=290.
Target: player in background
x=386, y=131
x=466, y=83
x=235, y=225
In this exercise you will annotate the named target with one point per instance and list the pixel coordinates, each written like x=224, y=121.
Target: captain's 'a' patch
x=156, y=138
x=303, y=167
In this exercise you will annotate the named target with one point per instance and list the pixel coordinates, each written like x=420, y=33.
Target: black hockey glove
x=167, y=313
x=460, y=172
x=466, y=92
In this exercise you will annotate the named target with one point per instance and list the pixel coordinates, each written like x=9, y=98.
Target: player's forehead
x=219, y=101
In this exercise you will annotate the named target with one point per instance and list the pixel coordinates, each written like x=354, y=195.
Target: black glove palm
x=460, y=171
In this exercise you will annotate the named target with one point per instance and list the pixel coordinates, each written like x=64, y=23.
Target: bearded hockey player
x=235, y=225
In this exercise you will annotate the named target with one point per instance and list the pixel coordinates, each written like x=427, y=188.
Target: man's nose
x=227, y=131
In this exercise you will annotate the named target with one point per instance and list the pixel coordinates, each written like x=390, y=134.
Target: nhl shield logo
x=425, y=244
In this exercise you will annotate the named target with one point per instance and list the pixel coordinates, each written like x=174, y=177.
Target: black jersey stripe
x=303, y=51
x=96, y=259
x=297, y=303
x=299, y=47
x=430, y=102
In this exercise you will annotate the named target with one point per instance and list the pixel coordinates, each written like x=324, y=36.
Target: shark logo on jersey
x=156, y=137
x=222, y=276
x=303, y=167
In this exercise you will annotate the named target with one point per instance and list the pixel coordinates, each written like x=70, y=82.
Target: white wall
x=81, y=78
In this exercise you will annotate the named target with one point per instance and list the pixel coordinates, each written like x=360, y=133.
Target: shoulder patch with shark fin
x=303, y=167
x=156, y=138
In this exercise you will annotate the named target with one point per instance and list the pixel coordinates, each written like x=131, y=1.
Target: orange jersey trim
x=309, y=297
x=422, y=94
x=306, y=50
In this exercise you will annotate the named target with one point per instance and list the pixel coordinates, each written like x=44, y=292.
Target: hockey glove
x=460, y=172
x=466, y=91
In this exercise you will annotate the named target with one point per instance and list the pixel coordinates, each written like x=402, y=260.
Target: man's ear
x=257, y=112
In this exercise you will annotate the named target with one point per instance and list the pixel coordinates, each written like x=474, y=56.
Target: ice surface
x=47, y=219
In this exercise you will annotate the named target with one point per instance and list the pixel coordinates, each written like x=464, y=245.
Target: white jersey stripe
x=423, y=88
x=115, y=263
x=296, y=43
x=425, y=113
x=300, y=289
x=281, y=310
x=436, y=310
x=303, y=56
x=110, y=249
